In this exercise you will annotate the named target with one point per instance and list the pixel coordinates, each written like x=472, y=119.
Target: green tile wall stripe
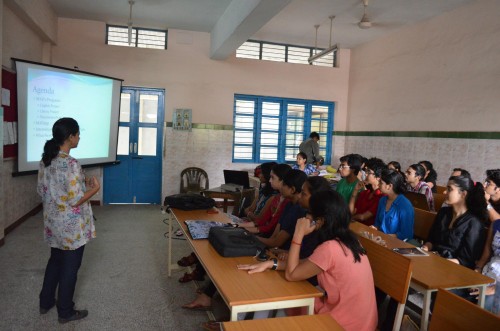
x=421, y=134
x=207, y=126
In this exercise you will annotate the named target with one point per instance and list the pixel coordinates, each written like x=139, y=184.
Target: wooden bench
x=440, y=189
x=438, y=200
x=391, y=274
x=423, y=223
x=453, y=313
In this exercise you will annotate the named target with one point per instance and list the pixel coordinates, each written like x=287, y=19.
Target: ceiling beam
x=241, y=20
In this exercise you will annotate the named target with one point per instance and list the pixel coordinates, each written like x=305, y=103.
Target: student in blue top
x=308, y=168
x=395, y=213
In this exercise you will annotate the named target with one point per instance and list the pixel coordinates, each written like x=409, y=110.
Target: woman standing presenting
x=68, y=219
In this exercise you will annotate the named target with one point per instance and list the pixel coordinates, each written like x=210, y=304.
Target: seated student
x=430, y=175
x=460, y=172
x=395, y=213
x=394, y=165
x=458, y=232
x=492, y=190
x=489, y=265
x=290, y=189
x=363, y=205
x=415, y=183
x=350, y=165
x=265, y=193
x=311, y=186
x=265, y=224
x=361, y=173
x=307, y=168
x=340, y=263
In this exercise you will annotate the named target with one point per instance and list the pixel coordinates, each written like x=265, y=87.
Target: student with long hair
x=68, y=218
x=265, y=192
x=458, y=232
x=394, y=165
x=364, y=202
x=302, y=165
x=415, y=183
x=395, y=213
x=266, y=223
x=430, y=177
x=339, y=262
x=290, y=189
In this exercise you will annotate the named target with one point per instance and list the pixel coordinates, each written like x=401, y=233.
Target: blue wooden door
x=137, y=178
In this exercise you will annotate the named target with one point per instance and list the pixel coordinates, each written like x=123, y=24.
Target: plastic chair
x=193, y=180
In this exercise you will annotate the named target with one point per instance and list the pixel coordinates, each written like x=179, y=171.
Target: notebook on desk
x=237, y=177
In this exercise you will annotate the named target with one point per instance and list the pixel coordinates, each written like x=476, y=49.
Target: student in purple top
x=415, y=183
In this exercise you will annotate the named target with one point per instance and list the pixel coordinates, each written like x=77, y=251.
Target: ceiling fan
x=129, y=23
x=365, y=22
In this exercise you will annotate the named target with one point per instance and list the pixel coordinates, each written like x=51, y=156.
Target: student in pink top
x=340, y=263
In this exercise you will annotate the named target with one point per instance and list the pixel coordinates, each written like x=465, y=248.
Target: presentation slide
x=47, y=93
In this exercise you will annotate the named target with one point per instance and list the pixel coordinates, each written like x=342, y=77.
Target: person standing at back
x=68, y=218
x=311, y=148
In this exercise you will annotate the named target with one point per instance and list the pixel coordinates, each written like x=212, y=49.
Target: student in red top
x=265, y=224
x=364, y=202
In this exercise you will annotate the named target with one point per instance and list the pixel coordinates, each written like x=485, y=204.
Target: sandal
x=195, y=275
x=187, y=261
x=212, y=326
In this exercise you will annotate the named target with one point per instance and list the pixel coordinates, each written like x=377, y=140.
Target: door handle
x=130, y=148
x=135, y=148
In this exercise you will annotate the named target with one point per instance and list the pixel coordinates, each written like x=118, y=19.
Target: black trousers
x=61, y=275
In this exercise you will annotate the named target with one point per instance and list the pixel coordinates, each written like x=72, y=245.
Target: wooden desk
x=432, y=272
x=243, y=292
x=219, y=193
x=323, y=322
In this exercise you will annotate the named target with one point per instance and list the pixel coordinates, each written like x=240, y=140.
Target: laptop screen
x=236, y=177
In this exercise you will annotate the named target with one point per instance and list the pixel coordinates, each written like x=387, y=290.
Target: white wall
x=438, y=75
x=19, y=193
x=192, y=80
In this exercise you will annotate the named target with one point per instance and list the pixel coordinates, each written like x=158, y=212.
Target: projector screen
x=46, y=93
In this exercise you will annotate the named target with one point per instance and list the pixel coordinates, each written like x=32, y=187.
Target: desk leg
x=170, y=220
x=481, y=296
x=306, y=302
x=425, y=310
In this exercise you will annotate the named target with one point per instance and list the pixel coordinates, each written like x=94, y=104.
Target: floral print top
x=61, y=185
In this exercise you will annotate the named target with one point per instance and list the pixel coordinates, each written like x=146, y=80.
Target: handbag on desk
x=188, y=201
x=234, y=242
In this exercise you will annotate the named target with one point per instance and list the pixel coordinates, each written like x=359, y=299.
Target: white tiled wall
x=208, y=149
x=475, y=155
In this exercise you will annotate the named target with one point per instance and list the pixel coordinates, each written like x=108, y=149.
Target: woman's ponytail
x=62, y=129
x=474, y=200
x=50, y=151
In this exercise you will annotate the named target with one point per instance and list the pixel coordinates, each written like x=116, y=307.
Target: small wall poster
x=182, y=119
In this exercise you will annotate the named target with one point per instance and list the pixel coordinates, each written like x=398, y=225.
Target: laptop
x=237, y=177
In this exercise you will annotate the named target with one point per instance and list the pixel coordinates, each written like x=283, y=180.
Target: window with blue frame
x=271, y=129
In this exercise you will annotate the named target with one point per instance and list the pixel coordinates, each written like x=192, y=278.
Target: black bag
x=233, y=242
x=189, y=201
